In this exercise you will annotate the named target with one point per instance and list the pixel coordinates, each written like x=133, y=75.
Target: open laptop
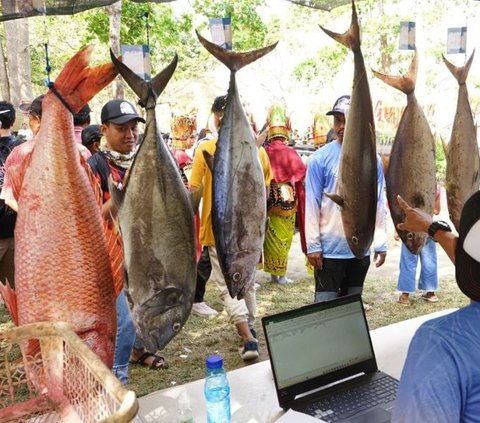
x=324, y=365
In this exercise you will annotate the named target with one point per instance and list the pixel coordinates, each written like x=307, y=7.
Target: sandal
x=154, y=366
x=430, y=297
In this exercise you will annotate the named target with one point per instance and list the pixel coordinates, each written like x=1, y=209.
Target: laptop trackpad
x=378, y=415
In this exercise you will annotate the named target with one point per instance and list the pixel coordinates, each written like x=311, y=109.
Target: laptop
x=323, y=363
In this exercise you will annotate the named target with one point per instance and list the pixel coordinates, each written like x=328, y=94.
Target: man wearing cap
x=80, y=121
x=91, y=137
x=337, y=271
x=120, y=129
x=440, y=381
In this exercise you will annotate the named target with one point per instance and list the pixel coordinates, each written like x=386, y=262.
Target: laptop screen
x=317, y=340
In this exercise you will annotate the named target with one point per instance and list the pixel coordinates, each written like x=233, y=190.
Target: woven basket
x=64, y=382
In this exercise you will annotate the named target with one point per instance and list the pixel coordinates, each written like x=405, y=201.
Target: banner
x=221, y=30
x=407, y=36
x=137, y=58
x=457, y=40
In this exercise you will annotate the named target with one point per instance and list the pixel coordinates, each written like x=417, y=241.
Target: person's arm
x=417, y=220
x=380, y=236
x=313, y=202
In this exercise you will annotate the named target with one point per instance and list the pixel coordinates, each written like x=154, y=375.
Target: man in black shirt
x=7, y=215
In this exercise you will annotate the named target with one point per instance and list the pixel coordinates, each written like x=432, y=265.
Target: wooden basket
x=64, y=382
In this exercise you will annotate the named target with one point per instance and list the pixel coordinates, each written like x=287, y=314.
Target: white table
x=253, y=397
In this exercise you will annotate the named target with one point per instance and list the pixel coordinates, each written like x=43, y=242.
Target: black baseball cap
x=34, y=106
x=467, y=253
x=119, y=112
x=341, y=106
x=90, y=134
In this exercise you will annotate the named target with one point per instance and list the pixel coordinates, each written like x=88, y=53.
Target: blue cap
x=341, y=106
x=214, y=362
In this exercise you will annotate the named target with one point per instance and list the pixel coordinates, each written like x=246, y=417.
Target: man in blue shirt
x=440, y=381
x=337, y=270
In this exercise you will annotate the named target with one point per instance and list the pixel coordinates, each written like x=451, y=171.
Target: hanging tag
x=221, y=30
x=137, y=58
x=457, y=40
x=407, y=36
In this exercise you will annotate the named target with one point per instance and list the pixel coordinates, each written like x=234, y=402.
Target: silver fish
x=239, y=197
x=463, y=161
x=357, y=180
x=157, y=225
x=411, y=169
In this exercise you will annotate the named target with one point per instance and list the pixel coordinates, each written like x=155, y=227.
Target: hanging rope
x=48, y=68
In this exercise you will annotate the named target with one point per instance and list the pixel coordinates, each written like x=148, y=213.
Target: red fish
x=63, y=271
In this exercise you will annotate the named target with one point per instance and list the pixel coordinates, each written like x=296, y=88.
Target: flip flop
x=430, y=298
x=155, y=362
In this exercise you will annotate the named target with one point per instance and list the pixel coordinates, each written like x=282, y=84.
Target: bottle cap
x=214, y=361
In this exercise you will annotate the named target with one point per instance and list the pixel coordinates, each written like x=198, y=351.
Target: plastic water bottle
x=217, y=391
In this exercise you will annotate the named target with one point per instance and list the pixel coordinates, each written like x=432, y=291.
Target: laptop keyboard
x=344, y=404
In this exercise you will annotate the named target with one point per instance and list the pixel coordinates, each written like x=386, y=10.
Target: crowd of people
x=295, y=199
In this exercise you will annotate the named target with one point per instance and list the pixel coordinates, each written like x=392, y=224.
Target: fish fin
x=141, y=88
x=195, y=198
x=111, y=231
x=10, y=299
x=115, y=252
x=459, y=72
x=350, y=38
x=97, y=190
x=117, y=193
x=336, y=198
x=234, y=60
x=405, y=83
x=78, y=83
x=208, y=159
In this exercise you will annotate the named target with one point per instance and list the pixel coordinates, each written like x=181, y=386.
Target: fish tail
x=78, y=82
x=234, y=60
x=140, y=87
x=350, y=38
x=405, y=83
x=459, y=72
x=10, y=299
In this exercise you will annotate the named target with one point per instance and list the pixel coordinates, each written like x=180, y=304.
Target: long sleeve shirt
x=323, y=220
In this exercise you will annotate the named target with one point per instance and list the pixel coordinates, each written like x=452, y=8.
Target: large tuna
x=357, y=180
x=462, y=155
x=411, y=169
x=62, y=266
x=239, y=197
x=157, y=226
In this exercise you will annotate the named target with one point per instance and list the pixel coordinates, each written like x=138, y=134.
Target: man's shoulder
x=326, y=151
x=207, y=145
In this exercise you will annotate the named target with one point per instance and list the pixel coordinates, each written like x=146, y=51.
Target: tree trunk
x=4, y=82
x=115, y=13
x=17, y=60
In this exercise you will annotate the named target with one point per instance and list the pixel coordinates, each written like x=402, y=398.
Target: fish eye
x=410, y=236
x=354, y=240
x=236, y=276
x=172, y=299
x=176, y=327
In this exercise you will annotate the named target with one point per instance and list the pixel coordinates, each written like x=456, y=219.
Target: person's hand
x=316, y=260
x=379, y=258
x=416, y=220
